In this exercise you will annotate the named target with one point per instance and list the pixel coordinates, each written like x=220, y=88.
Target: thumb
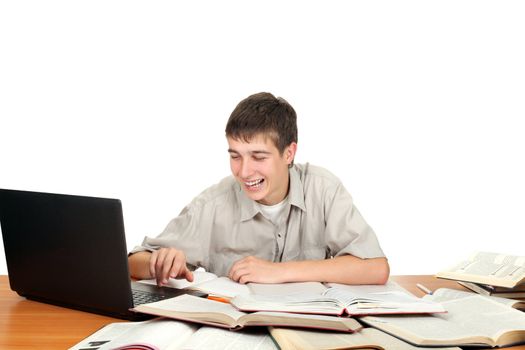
x=189, y=275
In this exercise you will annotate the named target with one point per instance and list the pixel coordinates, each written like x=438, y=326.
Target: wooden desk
x=26, y=324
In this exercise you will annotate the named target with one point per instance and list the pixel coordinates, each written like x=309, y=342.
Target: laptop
x=71, y=251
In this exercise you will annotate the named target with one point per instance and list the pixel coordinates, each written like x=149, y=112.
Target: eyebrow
x=251, y=152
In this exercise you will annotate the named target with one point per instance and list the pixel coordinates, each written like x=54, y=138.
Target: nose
x=246, y=169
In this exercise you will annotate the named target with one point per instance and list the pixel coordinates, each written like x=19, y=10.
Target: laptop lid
x=68, y=250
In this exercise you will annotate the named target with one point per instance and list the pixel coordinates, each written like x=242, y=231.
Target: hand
x=169, y=263
x=252, y=269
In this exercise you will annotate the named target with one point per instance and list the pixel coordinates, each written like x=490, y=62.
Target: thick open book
x=471, y=319
x=167, y=334
x=194, y=309
x=224, y=287
x=367, y=338
x=488, y=268
x=338, y=301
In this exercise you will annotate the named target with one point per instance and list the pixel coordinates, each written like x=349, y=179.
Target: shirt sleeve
x=346, y=230
x=187, y=232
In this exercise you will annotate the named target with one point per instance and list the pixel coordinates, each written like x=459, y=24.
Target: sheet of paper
x=287, y=288
x=199, y=278
x=223, y=286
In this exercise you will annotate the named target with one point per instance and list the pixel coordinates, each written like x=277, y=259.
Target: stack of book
x=306, y=304
x=491, y=274
x=313, y=315
x=305, y=315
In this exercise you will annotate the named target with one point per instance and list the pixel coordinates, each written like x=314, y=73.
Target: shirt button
x=279, y=235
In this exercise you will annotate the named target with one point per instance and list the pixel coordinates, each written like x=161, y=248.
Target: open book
x=449, y=294
x=164, y=334
x=338, y=301
x=367, y=338
x=194, y=309
x=471, y=320
x=488, y=268
x=224, y=287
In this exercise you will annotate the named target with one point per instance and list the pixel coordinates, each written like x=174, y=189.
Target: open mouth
x=254, y=184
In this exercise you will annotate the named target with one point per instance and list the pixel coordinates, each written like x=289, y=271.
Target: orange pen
x=219, y=299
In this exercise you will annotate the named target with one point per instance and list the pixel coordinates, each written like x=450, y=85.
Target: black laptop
x=71, y=251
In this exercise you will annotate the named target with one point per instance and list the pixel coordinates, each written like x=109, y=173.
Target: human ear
x=289, y=152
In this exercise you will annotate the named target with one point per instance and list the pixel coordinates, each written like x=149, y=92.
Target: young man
x=272, y=221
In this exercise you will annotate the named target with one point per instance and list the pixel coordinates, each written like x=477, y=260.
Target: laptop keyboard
x=141, y=297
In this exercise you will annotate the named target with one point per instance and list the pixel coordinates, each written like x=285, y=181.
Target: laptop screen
x=65, y=249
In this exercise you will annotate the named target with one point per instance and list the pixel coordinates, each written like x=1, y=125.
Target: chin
x=256, y=196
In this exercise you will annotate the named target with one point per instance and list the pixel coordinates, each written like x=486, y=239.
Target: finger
x=167, y=266
x=159, y=266
x=185, y=273
x=178, y=266
x=234, y=271
x=152, y=262
x=188, y=275
x=245, y=279
x=239, y=264
x=238, y=273
x=165, y=269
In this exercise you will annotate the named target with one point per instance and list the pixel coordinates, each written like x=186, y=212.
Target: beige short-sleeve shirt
x=222, y=225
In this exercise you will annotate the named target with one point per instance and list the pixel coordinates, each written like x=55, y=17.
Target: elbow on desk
x=377, y=271
x=365, y=270
x=383, y=272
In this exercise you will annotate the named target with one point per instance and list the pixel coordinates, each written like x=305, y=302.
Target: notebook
x=71, y=251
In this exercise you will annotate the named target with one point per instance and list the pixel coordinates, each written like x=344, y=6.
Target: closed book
x=513, y=293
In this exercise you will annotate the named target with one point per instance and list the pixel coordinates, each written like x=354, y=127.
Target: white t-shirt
x=274, y=212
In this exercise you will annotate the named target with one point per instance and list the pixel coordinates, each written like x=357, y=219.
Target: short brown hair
x=263, y=113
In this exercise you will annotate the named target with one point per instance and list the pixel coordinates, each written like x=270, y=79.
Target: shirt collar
x=296, y=193
x=249, y=208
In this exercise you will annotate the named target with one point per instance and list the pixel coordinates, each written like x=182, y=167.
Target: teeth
x=253, y=183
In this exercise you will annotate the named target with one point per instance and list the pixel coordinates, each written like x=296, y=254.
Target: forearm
x=345, y=269
x=139, y=265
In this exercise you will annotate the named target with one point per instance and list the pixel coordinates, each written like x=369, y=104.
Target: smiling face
x=260, y=169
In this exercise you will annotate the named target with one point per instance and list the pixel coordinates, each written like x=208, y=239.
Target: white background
x=417, y=106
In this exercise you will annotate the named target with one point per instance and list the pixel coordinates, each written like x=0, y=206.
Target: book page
x=386, y=302
x=223, y=287
x=192, y=308
x=210, y=338
x=469, y=320
x=302, y=303
x=278, y=289
x=156, y=334
x=445, y=294
x=367, y=338
x=390, y=286
x=199, y=277
x=489, y=268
